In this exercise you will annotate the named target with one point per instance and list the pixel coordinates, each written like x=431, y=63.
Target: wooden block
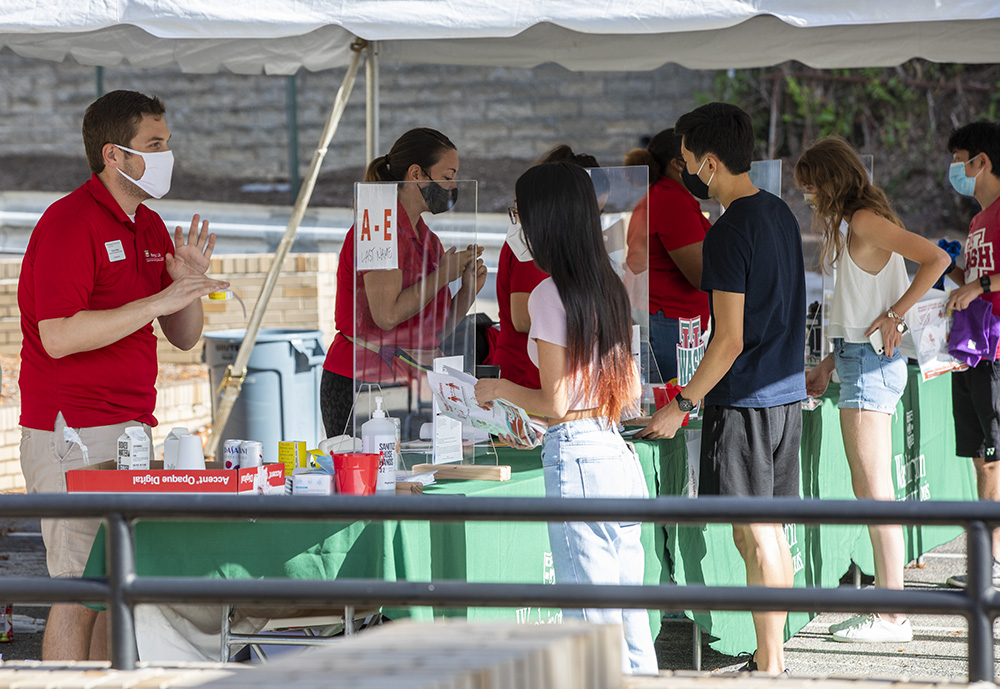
x=479, y=472
x=409, y=487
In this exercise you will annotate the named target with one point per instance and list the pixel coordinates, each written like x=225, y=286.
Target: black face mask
x=694, y=184
x=437, y=198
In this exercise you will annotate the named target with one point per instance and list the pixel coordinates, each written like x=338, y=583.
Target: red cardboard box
x=268, y=479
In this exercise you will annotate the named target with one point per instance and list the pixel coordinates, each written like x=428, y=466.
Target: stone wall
x=235, y=126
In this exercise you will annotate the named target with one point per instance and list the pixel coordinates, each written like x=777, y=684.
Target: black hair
x=422, y=146
x=976, y=138
x=563, y=152
x=562, y=228
x=722, y=129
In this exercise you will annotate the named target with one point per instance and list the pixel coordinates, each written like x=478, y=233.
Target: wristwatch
x=984, y=282
x=901, y=325
x=685, y=405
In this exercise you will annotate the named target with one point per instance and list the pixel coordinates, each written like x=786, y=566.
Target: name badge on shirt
x=116, y=252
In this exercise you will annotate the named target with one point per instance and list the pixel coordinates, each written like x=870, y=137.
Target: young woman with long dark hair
x=580, y=340
x=410, y=307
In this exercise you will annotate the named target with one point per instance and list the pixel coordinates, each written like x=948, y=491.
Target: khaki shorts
x=46, y=456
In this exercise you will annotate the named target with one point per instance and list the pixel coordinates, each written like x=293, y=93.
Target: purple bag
x=975, y=333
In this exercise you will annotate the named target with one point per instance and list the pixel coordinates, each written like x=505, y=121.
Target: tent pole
x=371, y=102
x=229, y=389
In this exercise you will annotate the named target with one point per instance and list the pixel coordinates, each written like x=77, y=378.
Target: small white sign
x=116, y=252
x=447, y=431
x=375, y=224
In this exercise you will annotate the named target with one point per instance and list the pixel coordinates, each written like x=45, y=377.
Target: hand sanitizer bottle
x=379, y=435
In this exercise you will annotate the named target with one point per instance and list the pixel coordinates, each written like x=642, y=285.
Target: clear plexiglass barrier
x=415, y=287
x=623, y=196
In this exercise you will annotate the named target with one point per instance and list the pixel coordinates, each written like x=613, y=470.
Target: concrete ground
x=937, y=653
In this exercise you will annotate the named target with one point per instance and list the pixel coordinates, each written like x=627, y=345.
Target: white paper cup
x=190, y=454
x=171, y=445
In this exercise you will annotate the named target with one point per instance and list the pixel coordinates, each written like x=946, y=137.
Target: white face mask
x=155, y=181
x=515, y=240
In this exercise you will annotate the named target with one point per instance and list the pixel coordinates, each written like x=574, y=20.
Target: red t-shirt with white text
x=981, y=253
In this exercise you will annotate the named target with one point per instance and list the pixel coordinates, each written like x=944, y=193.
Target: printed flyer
x=454, y=392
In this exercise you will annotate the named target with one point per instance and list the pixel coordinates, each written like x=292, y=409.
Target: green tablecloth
x=518, y=552
x=510, y=552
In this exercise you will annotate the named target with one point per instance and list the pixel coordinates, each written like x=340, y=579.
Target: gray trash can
x=280, y=395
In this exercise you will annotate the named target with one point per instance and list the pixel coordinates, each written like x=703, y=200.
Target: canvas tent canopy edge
x=283, y=36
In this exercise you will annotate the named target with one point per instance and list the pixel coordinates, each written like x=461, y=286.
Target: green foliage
x=904, y=109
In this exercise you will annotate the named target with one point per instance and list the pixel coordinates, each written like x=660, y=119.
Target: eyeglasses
x=512, y=214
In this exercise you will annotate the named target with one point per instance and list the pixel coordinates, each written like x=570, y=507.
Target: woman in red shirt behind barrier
x=410, y=308
x=676, y=231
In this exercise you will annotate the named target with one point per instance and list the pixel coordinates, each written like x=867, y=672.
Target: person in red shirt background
x=410, y=308
x=99, y=268
x=676, y=231
x=975, y=393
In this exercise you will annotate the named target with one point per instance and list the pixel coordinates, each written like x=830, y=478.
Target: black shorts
x=751, y=451
x=975, y=404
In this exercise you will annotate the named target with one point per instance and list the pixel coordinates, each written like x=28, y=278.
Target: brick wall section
x=234, y=125
x=10, y=435
x=303, y=298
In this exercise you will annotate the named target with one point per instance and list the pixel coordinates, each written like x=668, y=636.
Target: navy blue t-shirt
x=755, y=249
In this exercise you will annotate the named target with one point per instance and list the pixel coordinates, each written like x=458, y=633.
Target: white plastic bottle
x=379, y=435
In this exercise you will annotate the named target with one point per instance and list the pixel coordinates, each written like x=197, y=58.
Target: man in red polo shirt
x=99, y=268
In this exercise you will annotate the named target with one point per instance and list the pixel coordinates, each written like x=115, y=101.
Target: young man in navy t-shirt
x=751, y=378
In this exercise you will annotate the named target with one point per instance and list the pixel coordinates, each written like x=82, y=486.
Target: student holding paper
x=409, y=308
x=580, y=339
x=867, y=321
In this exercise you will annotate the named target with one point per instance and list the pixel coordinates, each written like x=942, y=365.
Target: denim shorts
x=870, y=381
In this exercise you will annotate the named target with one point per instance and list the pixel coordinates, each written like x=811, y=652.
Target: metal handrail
x=979, y=603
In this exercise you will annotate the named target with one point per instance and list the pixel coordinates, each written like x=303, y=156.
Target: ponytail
x=422, y=146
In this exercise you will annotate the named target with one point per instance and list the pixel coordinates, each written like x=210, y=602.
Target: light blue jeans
x=588, y=459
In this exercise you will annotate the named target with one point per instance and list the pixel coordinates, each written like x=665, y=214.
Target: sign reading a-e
x=375, y=227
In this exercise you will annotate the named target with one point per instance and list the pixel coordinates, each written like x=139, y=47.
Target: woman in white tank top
x=867, y=321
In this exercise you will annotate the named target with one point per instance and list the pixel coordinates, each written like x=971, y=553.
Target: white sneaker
x=961, y=581
x=874, y=629
x=849, y=622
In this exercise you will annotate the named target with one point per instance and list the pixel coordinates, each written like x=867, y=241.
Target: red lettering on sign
x=366, y=230
x=388, y=225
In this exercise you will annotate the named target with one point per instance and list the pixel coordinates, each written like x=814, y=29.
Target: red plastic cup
x=356, y=472
x=662, y=394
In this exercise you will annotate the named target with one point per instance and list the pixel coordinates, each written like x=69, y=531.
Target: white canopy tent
x=283, y=36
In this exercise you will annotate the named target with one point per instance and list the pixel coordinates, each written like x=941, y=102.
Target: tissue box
x=312, y=483
x=268, y=479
